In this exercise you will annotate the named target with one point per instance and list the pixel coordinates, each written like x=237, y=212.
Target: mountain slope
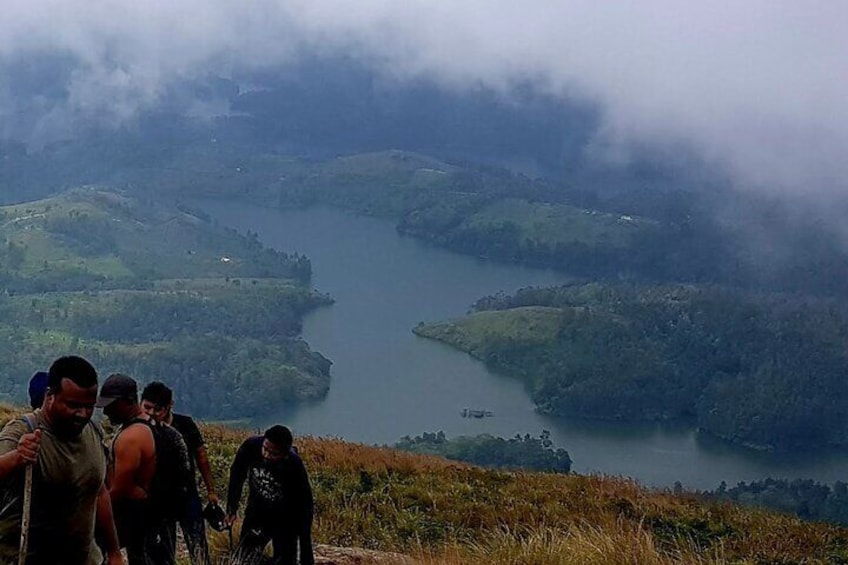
x=446, y=512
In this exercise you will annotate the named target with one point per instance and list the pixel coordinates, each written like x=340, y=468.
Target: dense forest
x=762, y=371
x=520, y=452
x=160, y=293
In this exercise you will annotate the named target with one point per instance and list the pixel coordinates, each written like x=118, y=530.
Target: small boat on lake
x=473, y=413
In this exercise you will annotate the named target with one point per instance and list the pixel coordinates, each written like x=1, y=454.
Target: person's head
x=276, y=443
x=72, y=394
x=119, y=398
x=37, y=389
x=157, y=400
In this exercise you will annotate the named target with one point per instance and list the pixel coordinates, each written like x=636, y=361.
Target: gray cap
x=117, y=386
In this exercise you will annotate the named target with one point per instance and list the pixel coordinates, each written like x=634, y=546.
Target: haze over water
x=387, y=382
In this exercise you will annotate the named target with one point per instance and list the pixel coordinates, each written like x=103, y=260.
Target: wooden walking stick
x=27, y=506
x=22, y=554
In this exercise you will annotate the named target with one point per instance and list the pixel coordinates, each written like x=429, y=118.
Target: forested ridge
x=760, y=370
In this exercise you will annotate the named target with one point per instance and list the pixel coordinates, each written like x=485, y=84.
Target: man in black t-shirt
x=279, y=500
x=157, y=400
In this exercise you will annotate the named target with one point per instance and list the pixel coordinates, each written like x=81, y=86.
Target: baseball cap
x=37, y=389
x=117, y=386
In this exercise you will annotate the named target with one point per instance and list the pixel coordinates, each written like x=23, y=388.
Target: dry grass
x=448, y=513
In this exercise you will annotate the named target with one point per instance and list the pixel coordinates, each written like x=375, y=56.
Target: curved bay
x=387, y=383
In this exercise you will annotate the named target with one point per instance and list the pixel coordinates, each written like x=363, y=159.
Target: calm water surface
x=387, y=383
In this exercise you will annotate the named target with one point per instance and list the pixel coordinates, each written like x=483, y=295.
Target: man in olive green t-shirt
x=69, y=497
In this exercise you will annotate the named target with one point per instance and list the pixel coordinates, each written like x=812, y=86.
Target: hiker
x=157, y=401
x=279, y=501
x=147, y=476
x=69, y=496
x=37, y=389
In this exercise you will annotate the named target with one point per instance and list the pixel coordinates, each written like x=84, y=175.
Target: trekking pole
x=22, y=554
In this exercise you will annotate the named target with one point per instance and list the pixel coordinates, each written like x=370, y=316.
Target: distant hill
x=159, y=293
x=649, y=221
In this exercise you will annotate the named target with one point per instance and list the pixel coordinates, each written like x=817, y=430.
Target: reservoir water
x=387, y=383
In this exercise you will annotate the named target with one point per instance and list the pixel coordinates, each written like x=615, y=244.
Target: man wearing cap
x=37, y=389
x=69, y=498
x=132, y=468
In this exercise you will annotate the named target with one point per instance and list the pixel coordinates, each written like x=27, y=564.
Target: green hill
x=765, y=371
x=160, y=293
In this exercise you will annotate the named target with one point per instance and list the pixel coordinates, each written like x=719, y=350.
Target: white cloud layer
x=758, y=87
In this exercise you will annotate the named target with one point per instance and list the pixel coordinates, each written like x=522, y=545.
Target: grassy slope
x=445, y=512
x=534, y=324
x=558, y=224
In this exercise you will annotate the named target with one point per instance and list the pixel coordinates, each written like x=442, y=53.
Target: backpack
x=172, y=480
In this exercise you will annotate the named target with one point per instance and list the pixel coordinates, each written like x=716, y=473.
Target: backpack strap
x=30, y=420
x=98, y=429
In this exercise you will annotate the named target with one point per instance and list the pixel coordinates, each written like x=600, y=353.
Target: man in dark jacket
x=279, y=502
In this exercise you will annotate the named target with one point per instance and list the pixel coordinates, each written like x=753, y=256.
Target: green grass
x=473, y=333
x=553, y=224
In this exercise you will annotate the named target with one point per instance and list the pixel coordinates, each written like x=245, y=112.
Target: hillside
x=445, y=512
x=157, y=292
x=765, y=371
x=440, y=512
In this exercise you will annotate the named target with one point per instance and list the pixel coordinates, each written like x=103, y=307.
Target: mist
x=755, y=89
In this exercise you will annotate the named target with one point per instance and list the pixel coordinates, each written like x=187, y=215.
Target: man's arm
x=18, y=449
x=303, y=491
x=106, y=526
x=238, y=474
x=206, y=473
x=129, y=449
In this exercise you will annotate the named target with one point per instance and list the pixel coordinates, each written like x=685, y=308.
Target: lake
x=387, y=383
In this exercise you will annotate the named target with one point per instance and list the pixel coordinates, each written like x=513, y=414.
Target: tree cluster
x=520, y=452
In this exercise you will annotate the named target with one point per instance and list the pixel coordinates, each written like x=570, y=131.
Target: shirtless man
x=143, y=524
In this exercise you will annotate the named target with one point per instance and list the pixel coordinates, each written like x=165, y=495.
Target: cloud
x=756, y=87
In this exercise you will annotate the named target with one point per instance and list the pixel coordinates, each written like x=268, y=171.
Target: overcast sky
x=759, y=87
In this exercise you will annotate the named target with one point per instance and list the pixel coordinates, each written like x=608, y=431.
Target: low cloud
x=758, y=87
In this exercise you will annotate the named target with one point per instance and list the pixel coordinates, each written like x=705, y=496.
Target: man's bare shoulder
x=137, y=436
